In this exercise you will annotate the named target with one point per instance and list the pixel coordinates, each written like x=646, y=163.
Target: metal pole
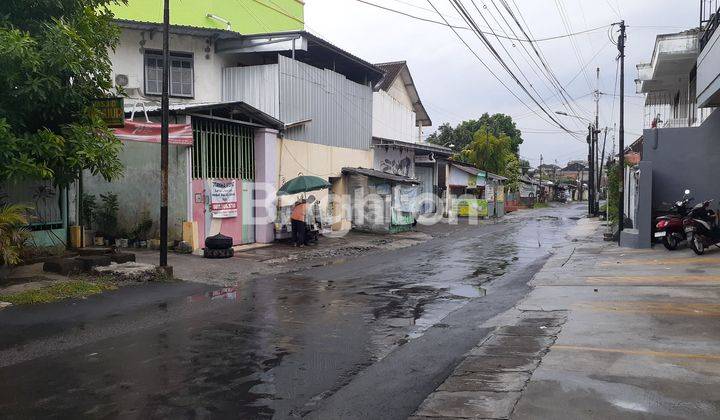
x=164, y=137
x=542, y=190
x=602, y=164
x=621, y=148
x=596, y=131
x=590, y=170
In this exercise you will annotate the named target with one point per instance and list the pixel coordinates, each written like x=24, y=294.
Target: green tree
x=501, y=123
x=53, y=62
x=613, y=191
x=493, y=154
x=463, y=134
x=488, y=151
x=524, y=165
x=513, y=171
x=443, y=136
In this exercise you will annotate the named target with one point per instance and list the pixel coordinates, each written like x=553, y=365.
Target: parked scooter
x=670, y=227
x=701, y=227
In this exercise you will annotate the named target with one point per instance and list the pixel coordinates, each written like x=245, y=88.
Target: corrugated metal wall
x=341, y=110
x=254, y=85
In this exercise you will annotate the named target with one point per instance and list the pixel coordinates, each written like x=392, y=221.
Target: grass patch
x=541, y=205
x=72, y=289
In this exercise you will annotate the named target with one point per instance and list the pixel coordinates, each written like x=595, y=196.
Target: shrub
x=88, y=210
x=141, y=231
x=13, y=233
x=106, y=215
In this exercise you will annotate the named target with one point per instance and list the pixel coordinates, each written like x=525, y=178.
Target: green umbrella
x=303, y=183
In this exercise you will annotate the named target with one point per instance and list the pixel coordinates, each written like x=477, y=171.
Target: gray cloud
x=454, y=86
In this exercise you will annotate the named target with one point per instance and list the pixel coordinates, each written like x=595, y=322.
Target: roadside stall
x=381, y=202
x=316, y=221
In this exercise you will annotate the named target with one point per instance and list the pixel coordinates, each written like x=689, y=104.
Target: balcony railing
x=709, y=20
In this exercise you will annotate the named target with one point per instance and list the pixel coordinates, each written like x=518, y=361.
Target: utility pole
x=621, y=146
x=164, y=136
x=591, y=196
x=602, y=163
x=596, y=131
x=542, y=190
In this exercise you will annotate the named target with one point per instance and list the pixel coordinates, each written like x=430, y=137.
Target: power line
x=538, y=52
x=531, y=62
x=486, y=32
x=508, y=53
x=473, y=52
x=565, y=19
x=462, y=10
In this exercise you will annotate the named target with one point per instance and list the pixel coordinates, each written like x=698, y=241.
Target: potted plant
x=141, y=231
x=87, y=215
x=106, y=219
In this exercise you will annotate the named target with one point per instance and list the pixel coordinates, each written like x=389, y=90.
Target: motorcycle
x=701, y=227
x=670, y=227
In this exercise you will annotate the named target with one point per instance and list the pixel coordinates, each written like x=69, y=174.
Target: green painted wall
x=245, y=16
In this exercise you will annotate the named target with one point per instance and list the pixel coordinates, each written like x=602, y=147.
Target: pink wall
x=231, y=226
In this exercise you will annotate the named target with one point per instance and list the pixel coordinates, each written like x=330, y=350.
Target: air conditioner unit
x=127, y=81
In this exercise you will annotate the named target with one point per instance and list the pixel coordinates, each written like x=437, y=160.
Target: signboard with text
x=112, y=111
x=223, y=199
x=467, y=207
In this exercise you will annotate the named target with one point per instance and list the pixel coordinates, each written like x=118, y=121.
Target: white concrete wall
x=207, y=72
x=708, y=72
x=392, y=119
x=398, y=91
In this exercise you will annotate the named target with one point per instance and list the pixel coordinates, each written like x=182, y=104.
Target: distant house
x=575, y=170
x=474, y=188
x=548, y=171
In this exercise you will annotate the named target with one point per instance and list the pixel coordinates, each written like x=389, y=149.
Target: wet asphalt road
x=370, y=337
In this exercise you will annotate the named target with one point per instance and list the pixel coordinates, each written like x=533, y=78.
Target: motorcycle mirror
x=687, y=192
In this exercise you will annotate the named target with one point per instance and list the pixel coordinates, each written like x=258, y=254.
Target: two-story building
x=248, y=112
x=398, y=143
x=680, y=148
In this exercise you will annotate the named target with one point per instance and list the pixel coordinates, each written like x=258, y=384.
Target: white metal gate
x=223, y=151
x=425, y=175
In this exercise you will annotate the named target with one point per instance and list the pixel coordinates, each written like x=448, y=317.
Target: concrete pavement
x=641, y=339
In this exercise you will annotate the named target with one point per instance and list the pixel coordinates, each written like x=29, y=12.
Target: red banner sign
x=180, y=134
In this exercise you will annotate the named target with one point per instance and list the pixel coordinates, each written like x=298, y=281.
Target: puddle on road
x=225, y=293
x=541, y=218
x=467, y=291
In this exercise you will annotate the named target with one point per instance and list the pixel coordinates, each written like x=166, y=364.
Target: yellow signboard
x=471, y=207
x=112, y=111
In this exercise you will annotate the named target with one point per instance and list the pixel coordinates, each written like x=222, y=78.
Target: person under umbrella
x=297, y=220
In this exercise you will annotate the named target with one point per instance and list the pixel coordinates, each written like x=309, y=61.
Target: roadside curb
x=489, y=381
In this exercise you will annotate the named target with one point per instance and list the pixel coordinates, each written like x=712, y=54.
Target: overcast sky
x=454, y=86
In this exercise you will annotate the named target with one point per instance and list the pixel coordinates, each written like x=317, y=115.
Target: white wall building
x=398, y=113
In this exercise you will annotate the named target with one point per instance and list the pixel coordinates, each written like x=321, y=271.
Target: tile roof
x=396, y=69
x=391, y=72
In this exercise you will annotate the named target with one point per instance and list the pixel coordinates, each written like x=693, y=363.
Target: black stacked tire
x=218, y=241
x=218, y=253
